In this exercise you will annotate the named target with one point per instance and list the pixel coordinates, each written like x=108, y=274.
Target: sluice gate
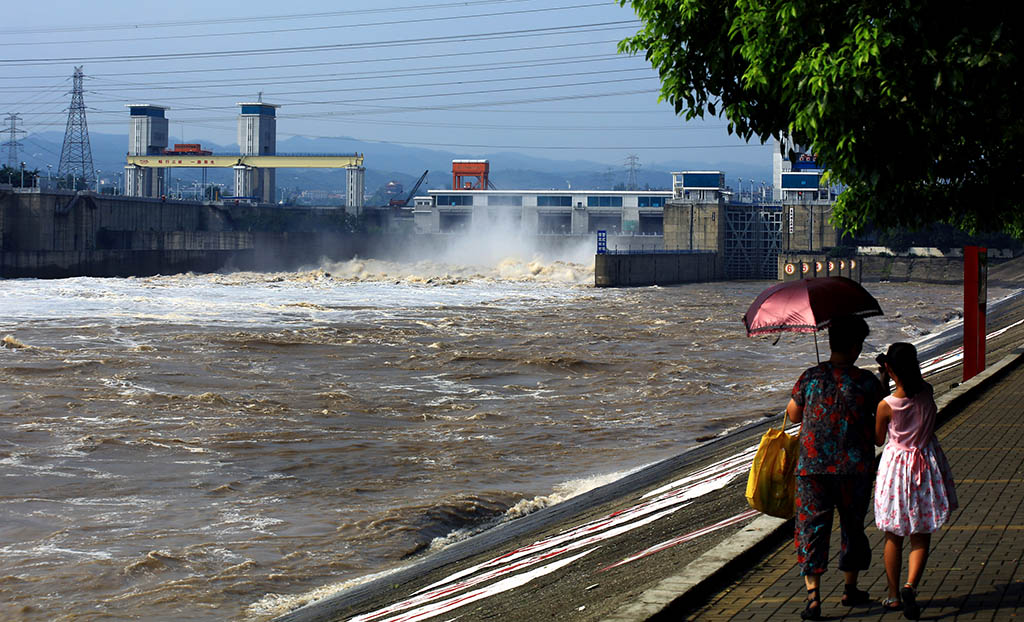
x=753, y=239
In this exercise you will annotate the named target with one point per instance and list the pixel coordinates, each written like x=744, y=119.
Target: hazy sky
x=539, y=77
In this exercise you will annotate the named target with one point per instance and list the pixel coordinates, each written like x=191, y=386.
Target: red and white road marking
x=433, y=594
x=956, y=355
x=666, y=500
x=495, y=588
x=657, y=548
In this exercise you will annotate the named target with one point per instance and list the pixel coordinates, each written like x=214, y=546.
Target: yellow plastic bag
x=771, y=486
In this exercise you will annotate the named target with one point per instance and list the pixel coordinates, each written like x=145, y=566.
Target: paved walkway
x=974, y=571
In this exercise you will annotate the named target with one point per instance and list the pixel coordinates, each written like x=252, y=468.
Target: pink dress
x=914, y=490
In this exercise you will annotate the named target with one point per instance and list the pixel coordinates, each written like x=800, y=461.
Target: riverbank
x=587, y=558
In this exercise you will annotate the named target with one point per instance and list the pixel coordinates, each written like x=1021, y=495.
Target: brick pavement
x=974, y=571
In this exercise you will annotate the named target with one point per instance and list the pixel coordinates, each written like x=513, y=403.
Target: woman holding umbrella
x=835, y=401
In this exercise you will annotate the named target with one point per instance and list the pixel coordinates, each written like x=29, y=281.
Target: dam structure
x=474, y=203
x=46, y=233
x=724, y=233
x=254, y=167
x=698, y=229
x=710, y=233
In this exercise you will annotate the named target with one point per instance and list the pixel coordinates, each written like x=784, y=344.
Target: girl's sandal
x=911, y=610
x=853, y=597
x=813, y=609
x=892, y=604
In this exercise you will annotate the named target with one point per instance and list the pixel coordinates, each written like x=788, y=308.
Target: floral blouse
x=837, y=435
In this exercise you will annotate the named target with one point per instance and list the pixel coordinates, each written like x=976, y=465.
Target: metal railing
x=653, y=251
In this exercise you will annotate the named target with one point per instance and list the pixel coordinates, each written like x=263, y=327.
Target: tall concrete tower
x=355, y=185
x=257, y=135
x=148, y=136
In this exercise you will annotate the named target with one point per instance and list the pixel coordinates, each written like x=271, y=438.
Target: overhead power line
x=281, y=97
x=39, y=145
x=447, y=95
x=559, y=147
x=331, y=63
x=192, y=23
x=545, y=128
x=389, y=23
x=462, y=39
x=357, y=75
x=380, y=109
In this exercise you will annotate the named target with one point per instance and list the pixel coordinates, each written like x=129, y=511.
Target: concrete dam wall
x=668, y=268
x=63, y=234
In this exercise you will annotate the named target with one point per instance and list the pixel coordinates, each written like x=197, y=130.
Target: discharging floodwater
x=209, y=447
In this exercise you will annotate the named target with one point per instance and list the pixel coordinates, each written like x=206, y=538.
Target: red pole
x=975, y=294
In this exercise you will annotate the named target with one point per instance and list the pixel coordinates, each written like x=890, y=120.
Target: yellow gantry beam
x=264, y=161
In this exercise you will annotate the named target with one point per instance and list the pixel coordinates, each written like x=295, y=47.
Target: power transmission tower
x=12, y=143
x=76, y=154
x=632, y=164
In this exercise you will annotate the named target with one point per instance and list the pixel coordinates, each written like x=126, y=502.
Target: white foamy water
x=208, y=447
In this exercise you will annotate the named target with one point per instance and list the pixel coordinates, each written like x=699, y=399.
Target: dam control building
x=147, y=136
x=257, y=136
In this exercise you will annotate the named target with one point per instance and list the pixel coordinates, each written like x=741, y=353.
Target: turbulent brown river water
x=209, y=447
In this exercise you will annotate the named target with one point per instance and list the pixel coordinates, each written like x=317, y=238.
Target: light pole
x=98, y=173
x=49, y=171
x=22, y=174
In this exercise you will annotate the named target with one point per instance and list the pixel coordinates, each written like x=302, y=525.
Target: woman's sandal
x=852, y=597
x=892, y=604
x=813, y=609
x=911, y=610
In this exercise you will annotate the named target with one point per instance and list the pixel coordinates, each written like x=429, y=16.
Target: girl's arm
x=882, y=417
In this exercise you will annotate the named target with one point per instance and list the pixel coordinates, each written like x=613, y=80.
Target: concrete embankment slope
x=609, y=553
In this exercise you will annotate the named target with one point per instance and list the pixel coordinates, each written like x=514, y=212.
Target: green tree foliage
x=914, y=105
x=14, y=176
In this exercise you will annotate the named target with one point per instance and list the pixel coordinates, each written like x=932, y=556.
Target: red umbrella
x=807, y=305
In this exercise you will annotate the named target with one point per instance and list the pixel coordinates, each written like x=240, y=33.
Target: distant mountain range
x=386, y=162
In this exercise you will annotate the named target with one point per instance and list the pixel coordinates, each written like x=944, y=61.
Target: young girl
x=914, y=491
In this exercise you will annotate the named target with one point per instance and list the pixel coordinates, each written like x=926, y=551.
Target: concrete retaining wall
x=63, y=264
x=57, y=234
x=919, y=269
x=655, y=269
x=871, y=268
x=806, y=227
